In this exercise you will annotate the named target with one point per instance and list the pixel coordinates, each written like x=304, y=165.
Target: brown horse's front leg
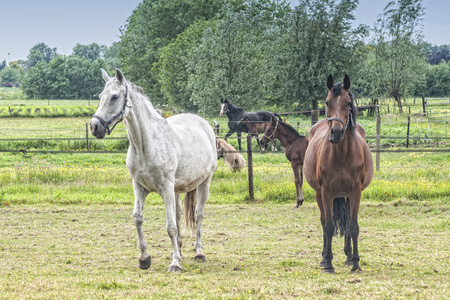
x=328, y=232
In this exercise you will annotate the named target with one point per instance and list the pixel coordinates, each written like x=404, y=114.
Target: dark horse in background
x=338, y=166
x=235, y=114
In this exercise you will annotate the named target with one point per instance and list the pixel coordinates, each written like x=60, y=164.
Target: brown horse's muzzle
x=336, y=134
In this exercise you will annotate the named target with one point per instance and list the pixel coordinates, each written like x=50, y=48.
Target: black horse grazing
x=235, y=114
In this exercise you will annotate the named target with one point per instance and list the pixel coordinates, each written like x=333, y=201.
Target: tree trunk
x=399, y=103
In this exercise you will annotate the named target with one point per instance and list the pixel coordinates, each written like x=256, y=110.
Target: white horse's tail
x=230, y=155
x=190, y=202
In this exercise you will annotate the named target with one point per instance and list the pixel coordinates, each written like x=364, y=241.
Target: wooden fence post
x=407, y=133
x=314, y=116
x=87, y=137
x=250, y=168
x=423, y=104
x=216, y=128
x=378, y=142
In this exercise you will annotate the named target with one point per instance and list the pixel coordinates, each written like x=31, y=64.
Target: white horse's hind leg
x=139, y=198
x=203, y=194
x=168, y=196
x=179, y=213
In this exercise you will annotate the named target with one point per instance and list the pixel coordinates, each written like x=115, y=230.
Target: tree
x=232, y=60
x=3, y=65
x=40, y=52
x=438, y=80
x=10, y=76
x=319, y=42
x=91, y=52
x=399, y=57
x=435, y=54
x=172, y=65
x=153, y=25
x=64, y=78
x=111, y=56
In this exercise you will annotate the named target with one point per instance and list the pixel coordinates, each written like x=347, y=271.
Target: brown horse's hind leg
x=354, y=229
x=348, y=249
x=298, y=180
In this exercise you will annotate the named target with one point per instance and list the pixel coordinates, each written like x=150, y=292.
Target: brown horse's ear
x=346, y=82
x=330, y=82
x=273, y=121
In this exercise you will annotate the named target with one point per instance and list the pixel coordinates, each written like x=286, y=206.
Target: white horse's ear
x=105, y=75
x=119, y=76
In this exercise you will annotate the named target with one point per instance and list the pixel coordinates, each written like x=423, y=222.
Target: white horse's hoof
x=145, y=264
x=200, y=257
x=174, y=269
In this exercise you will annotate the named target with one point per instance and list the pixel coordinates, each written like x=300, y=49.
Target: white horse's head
x=114, y=101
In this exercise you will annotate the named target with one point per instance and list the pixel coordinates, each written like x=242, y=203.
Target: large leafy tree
x=64, y=78
x=399, y=56
x=232, y=60
x=153, y=25
x=319, y=42
x=40, y=52
x=173, y=65
x=92, y=51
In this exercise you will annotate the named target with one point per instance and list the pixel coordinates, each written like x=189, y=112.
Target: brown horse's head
x=340, y=109
x=270, y=132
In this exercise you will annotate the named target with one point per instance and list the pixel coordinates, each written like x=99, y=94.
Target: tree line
x=190, y=54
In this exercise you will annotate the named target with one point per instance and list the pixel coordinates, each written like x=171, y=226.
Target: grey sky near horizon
x=63, y=24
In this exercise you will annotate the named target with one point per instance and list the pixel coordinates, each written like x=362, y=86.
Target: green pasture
x=253, y=251
x=66, y=230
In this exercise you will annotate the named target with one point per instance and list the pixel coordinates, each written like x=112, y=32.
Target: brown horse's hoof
x=145, y=264
x=174, y=269
x=200, y=257
x=356, y=271
x=328, y=270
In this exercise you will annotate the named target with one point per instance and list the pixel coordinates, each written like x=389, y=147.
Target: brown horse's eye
x=326, y=103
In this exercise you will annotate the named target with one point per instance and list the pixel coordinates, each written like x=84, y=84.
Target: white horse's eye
x=114, y=97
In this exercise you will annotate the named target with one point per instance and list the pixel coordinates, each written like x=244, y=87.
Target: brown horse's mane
x=291, y=128
x=336, y=90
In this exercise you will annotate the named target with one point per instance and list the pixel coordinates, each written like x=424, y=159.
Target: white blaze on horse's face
x=222, y=109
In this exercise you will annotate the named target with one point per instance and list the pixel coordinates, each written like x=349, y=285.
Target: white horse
x=167, y=156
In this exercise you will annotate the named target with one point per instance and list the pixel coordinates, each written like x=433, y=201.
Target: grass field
x=253, y=251
x=66, y=230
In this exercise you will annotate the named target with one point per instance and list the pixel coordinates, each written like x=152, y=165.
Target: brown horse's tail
x=340, y=215
x=190, y=202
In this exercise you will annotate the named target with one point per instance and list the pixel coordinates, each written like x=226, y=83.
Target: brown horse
x=294, y=146
x=338, y=166
x=255, y=128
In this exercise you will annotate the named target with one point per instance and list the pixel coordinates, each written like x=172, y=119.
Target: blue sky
x=63, y=24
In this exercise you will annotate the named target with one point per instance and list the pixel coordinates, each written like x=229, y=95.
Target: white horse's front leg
x=168, y=196
x=203, y=194
x=139, y=198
